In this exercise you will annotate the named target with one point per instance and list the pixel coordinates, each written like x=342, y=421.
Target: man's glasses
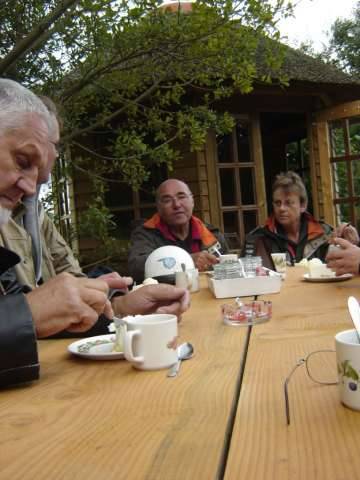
x=167, y=200
x=320, y=368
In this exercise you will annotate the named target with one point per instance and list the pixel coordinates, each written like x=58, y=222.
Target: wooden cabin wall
x=316, y=186
x=198, y=170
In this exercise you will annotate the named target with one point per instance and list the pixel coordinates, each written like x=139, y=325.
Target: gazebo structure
x=311, y=126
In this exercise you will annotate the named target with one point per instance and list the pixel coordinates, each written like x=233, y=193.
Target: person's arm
x=143, y=242
x=19, y=361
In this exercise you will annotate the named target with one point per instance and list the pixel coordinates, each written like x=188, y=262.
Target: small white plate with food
x=340, y=278
x=101, y=347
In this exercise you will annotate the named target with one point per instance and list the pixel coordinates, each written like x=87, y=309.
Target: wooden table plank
x=105, y=420
x=322, y=440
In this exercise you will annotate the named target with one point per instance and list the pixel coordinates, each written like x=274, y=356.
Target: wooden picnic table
x=323, y=438
x=98, y=420
x=222, y=417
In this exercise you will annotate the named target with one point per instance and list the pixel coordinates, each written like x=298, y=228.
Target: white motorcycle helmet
x=163, y=262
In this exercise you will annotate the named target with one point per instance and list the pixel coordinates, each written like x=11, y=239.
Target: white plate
x=95, y=348
x=340, y=278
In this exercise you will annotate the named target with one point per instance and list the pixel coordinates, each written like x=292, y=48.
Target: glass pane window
x=228, y=186
x=340, y=178
x=250, y=220
x=337, y=139
x=354, y=134
x=231, y=229
x=243, y=142
x=344, y=212
x=355, y=165
x=247, y=186
x=357, y=215
x=118, y=193
x=225, y=148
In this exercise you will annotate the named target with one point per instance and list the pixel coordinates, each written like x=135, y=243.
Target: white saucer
x=95, y=348
x=340, y=278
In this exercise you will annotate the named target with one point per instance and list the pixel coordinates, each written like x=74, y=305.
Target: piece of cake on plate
x=317, y=269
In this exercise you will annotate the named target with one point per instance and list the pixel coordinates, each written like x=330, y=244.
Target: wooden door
x=240, y=179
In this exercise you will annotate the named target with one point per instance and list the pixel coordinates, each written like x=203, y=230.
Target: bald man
x=175, y=224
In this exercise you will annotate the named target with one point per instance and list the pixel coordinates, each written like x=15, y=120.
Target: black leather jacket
x=19, y=362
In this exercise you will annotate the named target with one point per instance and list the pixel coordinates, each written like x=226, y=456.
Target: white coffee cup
x=150, y=341
x=348, y=363
x=279, y=260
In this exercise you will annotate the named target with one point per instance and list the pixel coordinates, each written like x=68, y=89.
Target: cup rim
x=338, y=338
x=145, y=320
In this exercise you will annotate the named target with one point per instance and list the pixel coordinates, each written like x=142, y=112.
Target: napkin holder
x=245, y=287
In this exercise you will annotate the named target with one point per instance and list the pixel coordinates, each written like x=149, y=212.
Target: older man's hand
x=161, y=298
x=115, y=281
x=345, y=259
x=204, y=260
x=347, y=232
x=68, y=303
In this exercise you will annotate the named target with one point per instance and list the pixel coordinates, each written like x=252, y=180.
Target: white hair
x=15, y=100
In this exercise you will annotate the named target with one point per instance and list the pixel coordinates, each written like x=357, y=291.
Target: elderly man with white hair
x=64, y=302
x=67, y=302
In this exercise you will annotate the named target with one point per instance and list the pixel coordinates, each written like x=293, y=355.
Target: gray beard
x=5, y=215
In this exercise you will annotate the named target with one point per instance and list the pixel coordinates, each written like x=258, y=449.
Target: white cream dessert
x=317, y=269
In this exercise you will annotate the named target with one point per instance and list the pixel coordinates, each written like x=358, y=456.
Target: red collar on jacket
x=200, y=235
x=314, y=229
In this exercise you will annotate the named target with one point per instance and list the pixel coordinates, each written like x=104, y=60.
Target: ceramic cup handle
x=128, y=347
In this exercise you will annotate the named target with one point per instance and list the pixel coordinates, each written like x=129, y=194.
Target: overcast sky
x=313, y=18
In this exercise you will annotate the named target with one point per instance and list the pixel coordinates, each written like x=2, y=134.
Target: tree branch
x=108, y=118
x=35, y=36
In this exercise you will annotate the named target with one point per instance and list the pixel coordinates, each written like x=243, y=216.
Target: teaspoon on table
x=184, y=352
x=354, y=309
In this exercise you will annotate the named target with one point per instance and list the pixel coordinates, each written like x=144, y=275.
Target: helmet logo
x=168, y=262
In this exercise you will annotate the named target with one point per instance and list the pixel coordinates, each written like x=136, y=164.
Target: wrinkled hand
x=68, y=303
x=204, y=260
x=348, y=232
x=161, y=298
x=115, y=281
x=345, y=259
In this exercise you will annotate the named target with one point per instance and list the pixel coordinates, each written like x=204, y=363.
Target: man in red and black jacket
x=175, y=224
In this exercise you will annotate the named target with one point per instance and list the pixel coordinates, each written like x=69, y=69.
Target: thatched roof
x=302, y=67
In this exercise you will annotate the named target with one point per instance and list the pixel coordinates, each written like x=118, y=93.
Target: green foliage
x=96, y=221
x=142, y=74
x=132, y=79
x=344, y=46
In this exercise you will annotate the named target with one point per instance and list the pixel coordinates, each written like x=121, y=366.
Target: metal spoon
x=184, y=352
x=354, y=309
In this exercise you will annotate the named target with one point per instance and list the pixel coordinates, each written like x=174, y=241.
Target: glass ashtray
x=246, y=313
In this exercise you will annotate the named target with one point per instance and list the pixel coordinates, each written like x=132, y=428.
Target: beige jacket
x=57, y=256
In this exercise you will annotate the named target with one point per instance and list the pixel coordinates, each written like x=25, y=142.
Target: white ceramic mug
x=150, y=341
x=279, y=260
x=348, y=364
